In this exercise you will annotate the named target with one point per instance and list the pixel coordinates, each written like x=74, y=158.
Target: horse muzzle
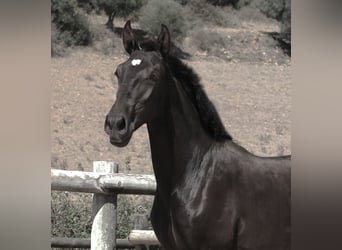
x=118, y=130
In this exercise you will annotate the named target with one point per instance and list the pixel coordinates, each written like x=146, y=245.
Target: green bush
x=211, y=42
x=271, y=8
x=71, y=23
x=88, y=5
x=276, y=9
x=118, y=8
x=213, y=14
x=125, y=216
x=182, y=2
x=57, y=49
x=285, y=28
x=250, y=14
x=222, y=2
x=103, y=40
x=71, y=214
x=167, y=12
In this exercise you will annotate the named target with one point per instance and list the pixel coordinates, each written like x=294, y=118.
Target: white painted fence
x=105, y=183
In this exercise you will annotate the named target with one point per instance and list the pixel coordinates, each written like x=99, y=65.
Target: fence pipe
x=106, y=183
x=100, y=183
x=60, y=242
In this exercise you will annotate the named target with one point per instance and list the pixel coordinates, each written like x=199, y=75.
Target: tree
x=71, y=22
x=223, y=2
x=167, y=12
x=118, y=8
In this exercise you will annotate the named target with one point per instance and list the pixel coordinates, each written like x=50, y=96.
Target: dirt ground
x=251, y=89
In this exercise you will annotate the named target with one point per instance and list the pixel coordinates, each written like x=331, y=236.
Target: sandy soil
x=251, y=90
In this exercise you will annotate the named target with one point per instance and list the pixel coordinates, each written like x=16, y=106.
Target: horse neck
x=177, y=138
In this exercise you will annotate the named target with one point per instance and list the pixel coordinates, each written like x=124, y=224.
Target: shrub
x=211, y=42
x=182, y=2
x=89, y=6
x=271, y=8
x=167, y=12
x=125, y=216
x=71, y=214
x=71, y=23
x=250, y=14
x=285, y=28
x=118, y=8
x=57, y=49
x=276, y=9
x=222, y=2
x=103, y=40
x=213, y=14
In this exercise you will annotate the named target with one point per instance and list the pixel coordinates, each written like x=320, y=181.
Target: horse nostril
x=108, y=123
x=120, y=123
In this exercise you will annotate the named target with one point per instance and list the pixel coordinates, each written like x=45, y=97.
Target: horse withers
x=211, y=192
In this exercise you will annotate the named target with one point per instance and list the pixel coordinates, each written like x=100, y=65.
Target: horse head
x=139, y=79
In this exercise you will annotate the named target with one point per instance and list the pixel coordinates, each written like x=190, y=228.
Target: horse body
x=211, y=192
x=219, y=195
x=226, y=205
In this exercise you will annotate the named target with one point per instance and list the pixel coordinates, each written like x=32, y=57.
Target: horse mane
x=208, y=114
x=190, y=81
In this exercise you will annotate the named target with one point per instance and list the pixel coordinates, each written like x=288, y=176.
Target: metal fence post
x=103, y=231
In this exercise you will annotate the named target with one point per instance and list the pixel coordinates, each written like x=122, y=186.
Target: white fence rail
x=92, y=182
x=105, y=183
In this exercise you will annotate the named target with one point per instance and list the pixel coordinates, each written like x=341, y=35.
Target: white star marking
x=136, y=62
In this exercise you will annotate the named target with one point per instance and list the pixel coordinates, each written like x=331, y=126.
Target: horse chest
x=194, y=222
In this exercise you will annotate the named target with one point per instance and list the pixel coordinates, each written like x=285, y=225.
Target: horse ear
x=164, y=40
x=128, y=39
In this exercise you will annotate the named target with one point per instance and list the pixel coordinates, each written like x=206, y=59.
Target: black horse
x=211, y=192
